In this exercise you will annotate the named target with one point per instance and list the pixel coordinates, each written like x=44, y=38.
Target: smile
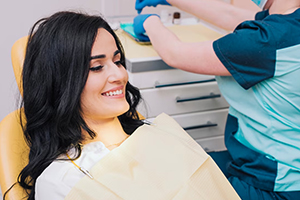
x=113, y=93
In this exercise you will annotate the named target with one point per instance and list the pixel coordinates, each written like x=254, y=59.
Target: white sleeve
x=56, y=181
x=49, y=189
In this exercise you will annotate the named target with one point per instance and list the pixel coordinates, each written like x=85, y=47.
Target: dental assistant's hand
x=140, y=4
x=138, y=26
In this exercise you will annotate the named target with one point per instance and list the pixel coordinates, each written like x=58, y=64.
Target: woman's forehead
x=104, y=43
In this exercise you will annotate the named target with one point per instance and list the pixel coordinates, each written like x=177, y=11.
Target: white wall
x=123, y=10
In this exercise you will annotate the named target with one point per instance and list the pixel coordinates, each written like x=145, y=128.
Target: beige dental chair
x=13, y=148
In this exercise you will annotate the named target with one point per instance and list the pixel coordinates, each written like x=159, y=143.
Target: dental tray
x=128, y=29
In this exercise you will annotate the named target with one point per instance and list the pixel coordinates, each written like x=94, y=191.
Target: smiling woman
x=75, y=91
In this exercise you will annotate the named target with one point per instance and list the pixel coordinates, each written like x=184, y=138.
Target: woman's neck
x=108, y=131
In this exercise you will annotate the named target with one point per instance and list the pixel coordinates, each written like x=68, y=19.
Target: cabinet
x=193, y=100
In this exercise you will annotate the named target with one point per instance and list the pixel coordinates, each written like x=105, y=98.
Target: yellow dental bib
x=157, y=162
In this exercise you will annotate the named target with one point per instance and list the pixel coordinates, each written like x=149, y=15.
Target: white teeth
x=117, y=92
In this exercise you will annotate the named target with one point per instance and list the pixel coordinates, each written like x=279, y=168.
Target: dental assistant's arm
x=216, y=12
x=193, y=57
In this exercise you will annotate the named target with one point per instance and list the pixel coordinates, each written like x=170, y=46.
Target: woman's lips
x=117, y=91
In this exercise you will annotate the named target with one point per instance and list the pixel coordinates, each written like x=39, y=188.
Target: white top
x=59, y=177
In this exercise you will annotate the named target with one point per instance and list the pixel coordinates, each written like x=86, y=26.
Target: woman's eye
x=96, y=68
x=118, y=63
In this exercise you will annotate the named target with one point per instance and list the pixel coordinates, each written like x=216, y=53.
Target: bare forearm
x=216, y=12
x=193, y=57
x=163, y=41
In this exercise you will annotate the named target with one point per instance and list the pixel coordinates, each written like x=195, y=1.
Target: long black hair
x=55, y=71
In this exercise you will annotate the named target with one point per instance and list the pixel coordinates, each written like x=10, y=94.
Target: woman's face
x=103, y=96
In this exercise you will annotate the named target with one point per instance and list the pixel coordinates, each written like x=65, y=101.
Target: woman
x=256, y=67
x=74, y=71
x=80, y=110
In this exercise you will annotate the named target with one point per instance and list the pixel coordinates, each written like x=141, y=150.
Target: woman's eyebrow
x=97, y=56
x=117, y=52
x=103, y=55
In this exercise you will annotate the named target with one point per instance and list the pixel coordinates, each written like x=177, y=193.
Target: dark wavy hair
x=55, y=71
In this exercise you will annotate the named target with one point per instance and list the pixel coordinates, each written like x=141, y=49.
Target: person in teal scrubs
x=257, y=67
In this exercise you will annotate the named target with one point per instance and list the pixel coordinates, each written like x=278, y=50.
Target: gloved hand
x=140, y=4
x=138, y=26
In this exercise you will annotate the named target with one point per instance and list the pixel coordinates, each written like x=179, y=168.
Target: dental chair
x=13, y=155
x=13, y=148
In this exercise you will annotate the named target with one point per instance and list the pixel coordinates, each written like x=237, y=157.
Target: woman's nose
x=117, y=73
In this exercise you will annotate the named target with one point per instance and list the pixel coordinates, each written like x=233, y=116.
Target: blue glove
x=140, y=4
x=138, y=26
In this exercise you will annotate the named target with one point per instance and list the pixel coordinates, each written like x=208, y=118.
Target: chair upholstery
x=13, y=155
x=17, y=58
x=13, y=148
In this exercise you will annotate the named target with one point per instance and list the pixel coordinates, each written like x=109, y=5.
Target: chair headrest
x=17, y=56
